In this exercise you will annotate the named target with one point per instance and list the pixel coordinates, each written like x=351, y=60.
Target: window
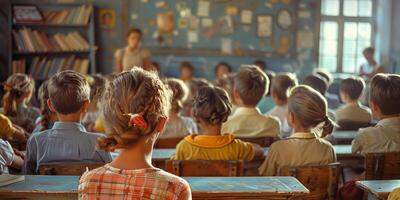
x=346, y=29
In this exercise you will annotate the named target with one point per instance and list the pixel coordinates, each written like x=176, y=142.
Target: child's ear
x=50, y=105
x=85, y=106
x=376, y=111
x=290, y=119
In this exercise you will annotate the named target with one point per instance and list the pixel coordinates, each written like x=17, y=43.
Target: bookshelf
x=43, y=48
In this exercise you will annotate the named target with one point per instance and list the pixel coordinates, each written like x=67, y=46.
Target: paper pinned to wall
x=226, y=45
x=203, y=8
x=193, y=36
x=231, y=10
x=304, y=14
x=305, y=40
x=246, y=16
x=207, y=22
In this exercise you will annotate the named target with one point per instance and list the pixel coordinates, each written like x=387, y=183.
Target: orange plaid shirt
x=111, y=183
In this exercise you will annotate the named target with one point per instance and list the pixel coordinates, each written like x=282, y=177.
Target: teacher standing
x=132, y=55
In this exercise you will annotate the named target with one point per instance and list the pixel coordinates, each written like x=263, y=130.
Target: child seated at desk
x=308, y=117
x=352, y=112
x=178, y=126
x=67, y=140
x=250, y=85
x=385, y=106
x=8, y=157
x=47, y=117
x=135, y=109
x=211, y=107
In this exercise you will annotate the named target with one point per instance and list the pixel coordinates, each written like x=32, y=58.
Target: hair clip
x=137, y=120
x=7, y=87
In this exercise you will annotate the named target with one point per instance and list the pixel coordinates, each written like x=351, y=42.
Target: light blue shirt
x=64, y=142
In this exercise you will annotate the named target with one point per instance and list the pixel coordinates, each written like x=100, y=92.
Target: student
x=332, y=99
x=135, y=109
x=97, y=85
x=8, y=158
x=133, y=54
x=308, y=117
x=178, y=126
x=194, y=87
x=250, y=85
x=19, y=89
x=351, y=90
x=266, y=103
x=371, y=67
x=395, y=194
x=222, y=70
x=384, y=103
x=10, y=131
x=211, y=108
x=187, y=72
x=67, y=140
x=320, y=84
x=281, y=85
x=47, y=117
x=226, y=83
x=260, y=64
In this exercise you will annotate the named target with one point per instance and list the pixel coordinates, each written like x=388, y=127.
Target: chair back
x=205, y=167
x=67, y=169
x=262, y=141
x=166, y=143
x=382, y=166
x=321, y=180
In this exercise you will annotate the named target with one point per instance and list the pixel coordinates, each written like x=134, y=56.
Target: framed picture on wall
x=264, y=25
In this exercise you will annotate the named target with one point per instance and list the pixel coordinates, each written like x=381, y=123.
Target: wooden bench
x=67, y=169
x=379, y=188
x=262, y=141
x=382, y=166
x=164, y=143
x=205, y=167
x=321, y=180
x=66, y=187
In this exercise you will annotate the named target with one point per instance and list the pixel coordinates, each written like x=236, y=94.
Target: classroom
x=200, y=99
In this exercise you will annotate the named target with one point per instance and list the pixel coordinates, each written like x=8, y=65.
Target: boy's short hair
x=352, y=87
x=261, y=64
x=282, y=83
x=67, y=91
x=325, y=74
x=251, y=83
x=186, y=65
x=370, y=50
x=385, y=92
x=134, y=30
x=317, y=82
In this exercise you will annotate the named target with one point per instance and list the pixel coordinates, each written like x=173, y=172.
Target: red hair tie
x=138, y=120
x=7, y=87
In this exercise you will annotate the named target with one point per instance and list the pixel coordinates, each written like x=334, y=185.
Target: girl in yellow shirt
x=211, y=108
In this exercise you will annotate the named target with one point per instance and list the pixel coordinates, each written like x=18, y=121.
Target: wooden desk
x=246, y=187
x=380, y=189
x=65, y=187
x=343, y=137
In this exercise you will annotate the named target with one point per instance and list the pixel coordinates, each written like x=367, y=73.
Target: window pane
x=349, y=47
x=350, y=30
x=364, y=31
x=365, y=8
x=328, y=63
x=350, y=8
x=329, y=30
x=330, y=7
x=349, y=64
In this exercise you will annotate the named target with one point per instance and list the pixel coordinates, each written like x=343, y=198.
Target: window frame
x=340, y=20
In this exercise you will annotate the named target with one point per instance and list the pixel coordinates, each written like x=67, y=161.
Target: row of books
x=18, y=66
x=79, y=15
x=43, y=67
x=28, y=40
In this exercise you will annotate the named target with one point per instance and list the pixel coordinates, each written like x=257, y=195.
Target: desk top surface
x=380, y=188
x=69, y=184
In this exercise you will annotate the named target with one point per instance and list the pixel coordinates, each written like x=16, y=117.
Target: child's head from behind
x=97, y=85
x=19, y=89
x=250, y=85
x=281, y=86
x=135, y=107
x=187, y=70
x=180, y=93
x=317, y=82
x=211, y=106
x=351, y=89
x=69, y=93
x=308, y=110
x=385, y=95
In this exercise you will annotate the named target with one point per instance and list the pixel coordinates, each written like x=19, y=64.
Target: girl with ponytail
x=19, y=89
x=178, y=126
x=307, y=115
x=135, y=107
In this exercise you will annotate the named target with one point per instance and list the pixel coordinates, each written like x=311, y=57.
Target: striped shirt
x=151, y=183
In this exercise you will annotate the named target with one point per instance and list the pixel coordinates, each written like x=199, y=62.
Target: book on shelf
x=18, y=66
x=75, y=16
x=7, y=179
x=27, y=14
x=33, y=41
x=44, y=67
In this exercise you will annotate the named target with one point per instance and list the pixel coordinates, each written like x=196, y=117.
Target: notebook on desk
x=7, y=179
